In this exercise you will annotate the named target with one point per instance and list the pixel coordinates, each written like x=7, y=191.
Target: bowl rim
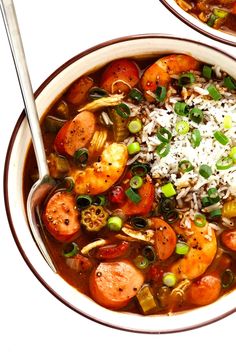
x=6, y=173
x=203, y=31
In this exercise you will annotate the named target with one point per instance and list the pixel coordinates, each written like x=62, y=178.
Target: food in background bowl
x=218, y=14
x=143, y=216
x=53, y=98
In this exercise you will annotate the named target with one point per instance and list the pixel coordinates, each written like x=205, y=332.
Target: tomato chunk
x=112, y=251
x=228, y=238
x=120, y=76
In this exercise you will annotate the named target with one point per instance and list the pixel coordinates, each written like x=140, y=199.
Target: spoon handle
x=17, y=50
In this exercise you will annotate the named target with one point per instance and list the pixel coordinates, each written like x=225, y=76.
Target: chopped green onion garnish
x=186, y=79
x=196, y=115
x=195, y=138
x=114, y=223
x=185, y=166
x=205, y=171
x=167, y=205
x=227, y=122
x=136, y=95
x=69, y=183
x=70, y=250
x=181, y=248
x=213, y=195
x=83, y=201
x=133, y=196
x=139, y=169
x=141, y=262
x=123, y=110
x=136, y=182
x=211, y=20
x=232, y=154
x=169, y=279
x=199, y=220
x=81, y=156
x=99, y=200
x=133, y=148
x=160, y=93
x=135, y=126
x=215, y=213
x=207, y=72
x=220, y=137
x=230, y=83
x=214, y=93
x=149, y=253
x=171, y=216
x=168, y=190
x=220, y=13
x=227, y=278
x=224, y=163
x=182, y=127
x=139, y=222
x=205, y=201
x=164, y=135
x=163, y=149
x=181, y=108
x=97, y=92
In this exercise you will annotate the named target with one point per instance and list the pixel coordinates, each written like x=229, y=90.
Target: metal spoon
x=45, y=183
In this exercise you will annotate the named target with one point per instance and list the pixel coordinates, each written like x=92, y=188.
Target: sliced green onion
x=163, y=149
x=205, y=201
x=160, y=93
x=185, y=166
x=230, y=83
x=227, y=278
x=181, y=248
x=133, y=148
x=214, y=93
x=81, y=156
x=232, y=153
x=182, y=127
x=149, y=253
x=195, y=138
x=224, y=163
x=69, y=183
x=139, y=222
x=164, y=135
x=141, y=262
x=227, y=122
x=83, y=201
x=70, y=250
x=96, y=93
x=169, y=279
x=205, y=171
x=220, y=13
x=199, y=220
x=207, y=72
x=133, y=196
x=139, y=169
x=213, y=195
x=136, y=95
x=99, y=200
x=136, y=182
x=167, y=205
x=168, y=190
x=186, y=79
x=196, y=115
x=114, y=223
x=123, y=110
x=214, y=214
x=221, y=137
x=171, y=216
x=211, y=20
x=135, y=126
x=181, y=108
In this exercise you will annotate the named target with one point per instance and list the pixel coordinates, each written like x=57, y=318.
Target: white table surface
x=31, y=319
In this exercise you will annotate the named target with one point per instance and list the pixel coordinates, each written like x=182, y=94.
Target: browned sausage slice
x=113, y=284
x=75, y=134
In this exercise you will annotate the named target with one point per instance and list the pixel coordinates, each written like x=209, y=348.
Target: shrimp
x=203, y=247
x=99, y=177
x=159, y=73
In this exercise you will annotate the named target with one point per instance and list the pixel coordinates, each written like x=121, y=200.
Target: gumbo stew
x=142, y=218
x=219, y=14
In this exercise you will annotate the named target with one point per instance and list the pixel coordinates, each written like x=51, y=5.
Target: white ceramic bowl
x=198, y=25
x=135, y=46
